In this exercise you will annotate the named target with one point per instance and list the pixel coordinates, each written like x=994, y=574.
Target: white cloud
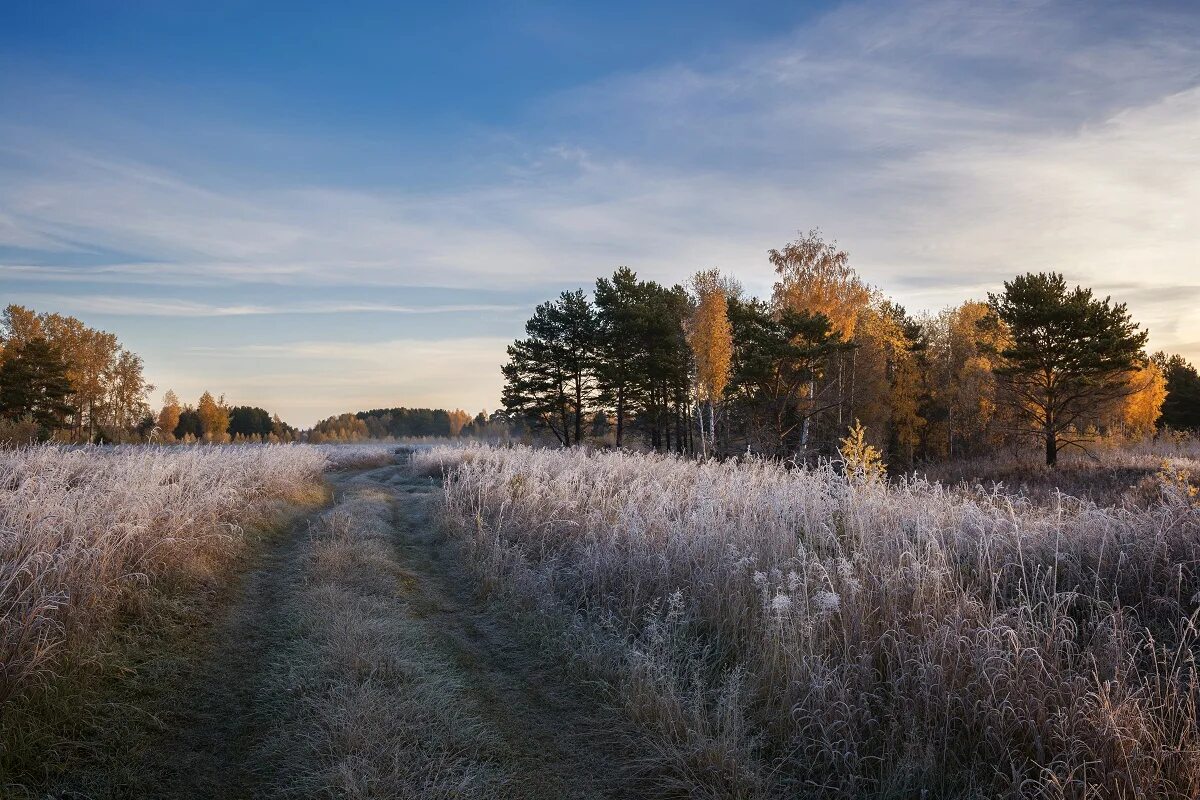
x=947, y=145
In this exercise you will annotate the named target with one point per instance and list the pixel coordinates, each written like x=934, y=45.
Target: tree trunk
x=578, y=412
x=712, y=427
x=620, y=416
x=812, y=388
x=841, y=388
x=1051, y=445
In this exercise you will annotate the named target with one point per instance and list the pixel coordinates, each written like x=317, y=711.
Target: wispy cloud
x=947, y=145
x=168, y=307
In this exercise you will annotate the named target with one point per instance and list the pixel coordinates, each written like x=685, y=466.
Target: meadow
x=747, y=628
x=91, y=538
x=778, y=631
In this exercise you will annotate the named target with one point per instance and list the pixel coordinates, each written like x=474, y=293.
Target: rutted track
x=281, y=696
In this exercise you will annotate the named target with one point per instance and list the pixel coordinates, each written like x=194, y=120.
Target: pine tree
x=1070, y=355
x=776, y=358
x=620, y=361
x=1181, y=407
x=550, y=376
x=34, y=384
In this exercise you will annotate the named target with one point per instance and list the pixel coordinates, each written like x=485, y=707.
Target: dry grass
x=1110, y=475
x=784, y=632
x=91, y=537
x=358, y=456
x=382, y=712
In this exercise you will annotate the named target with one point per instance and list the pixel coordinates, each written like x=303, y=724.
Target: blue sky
x=320, y=207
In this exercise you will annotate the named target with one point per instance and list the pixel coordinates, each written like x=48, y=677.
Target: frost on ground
x=86, y=532
x=350, y=659
x=407, y=686
x=358, y=456
x=785, y=631
x=380, y=712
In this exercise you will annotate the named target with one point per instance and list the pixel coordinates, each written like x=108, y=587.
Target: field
x=779, y=632
x=298, y=621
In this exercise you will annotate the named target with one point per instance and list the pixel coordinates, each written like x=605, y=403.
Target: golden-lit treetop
x=710, y=335
x=1142, y=408
x=458, y=421
x=214, y=417
x=816, y=277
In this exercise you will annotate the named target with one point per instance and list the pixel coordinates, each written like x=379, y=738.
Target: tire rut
x=558, y=735
x=213, y=729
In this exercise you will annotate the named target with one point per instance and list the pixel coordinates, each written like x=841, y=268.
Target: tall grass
x=784, y=631
x=87, y=533
x=358, y=456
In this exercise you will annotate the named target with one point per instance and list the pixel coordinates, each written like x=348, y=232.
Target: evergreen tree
x=1070, y=355
x=250, y=422
x=1181, y=408
x=776, y=356
x=189, y=424
x=550, y=375
x=620, y=364
x=34, y=384
x=664, y=380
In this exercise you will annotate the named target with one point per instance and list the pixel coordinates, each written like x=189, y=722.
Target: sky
x=327, y=207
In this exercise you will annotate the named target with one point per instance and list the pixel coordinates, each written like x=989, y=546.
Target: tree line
x=708, y=370
x=214, y=421
x=65, y=381
x=401, y=423
x=60, y=378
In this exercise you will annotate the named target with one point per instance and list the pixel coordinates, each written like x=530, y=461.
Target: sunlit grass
x=86, y=533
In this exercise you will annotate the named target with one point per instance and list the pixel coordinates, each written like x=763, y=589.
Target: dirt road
x=356, y=659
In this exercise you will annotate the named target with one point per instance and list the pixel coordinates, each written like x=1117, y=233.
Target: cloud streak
x=168, y=307
x=947, y=145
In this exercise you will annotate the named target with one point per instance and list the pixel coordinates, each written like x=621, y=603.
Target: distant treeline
x=403, y=423
x=213, y=420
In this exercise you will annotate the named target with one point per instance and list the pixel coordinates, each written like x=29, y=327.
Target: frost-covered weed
x=84, y=532
x=788, y=631
x=358, y=456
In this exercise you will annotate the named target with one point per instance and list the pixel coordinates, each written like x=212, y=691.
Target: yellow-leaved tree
x=1142, y=408
x=214, y=418
x=168, y=417
x=458, y=421
x=816, y=277
x=861, y=462
x=710, y=337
